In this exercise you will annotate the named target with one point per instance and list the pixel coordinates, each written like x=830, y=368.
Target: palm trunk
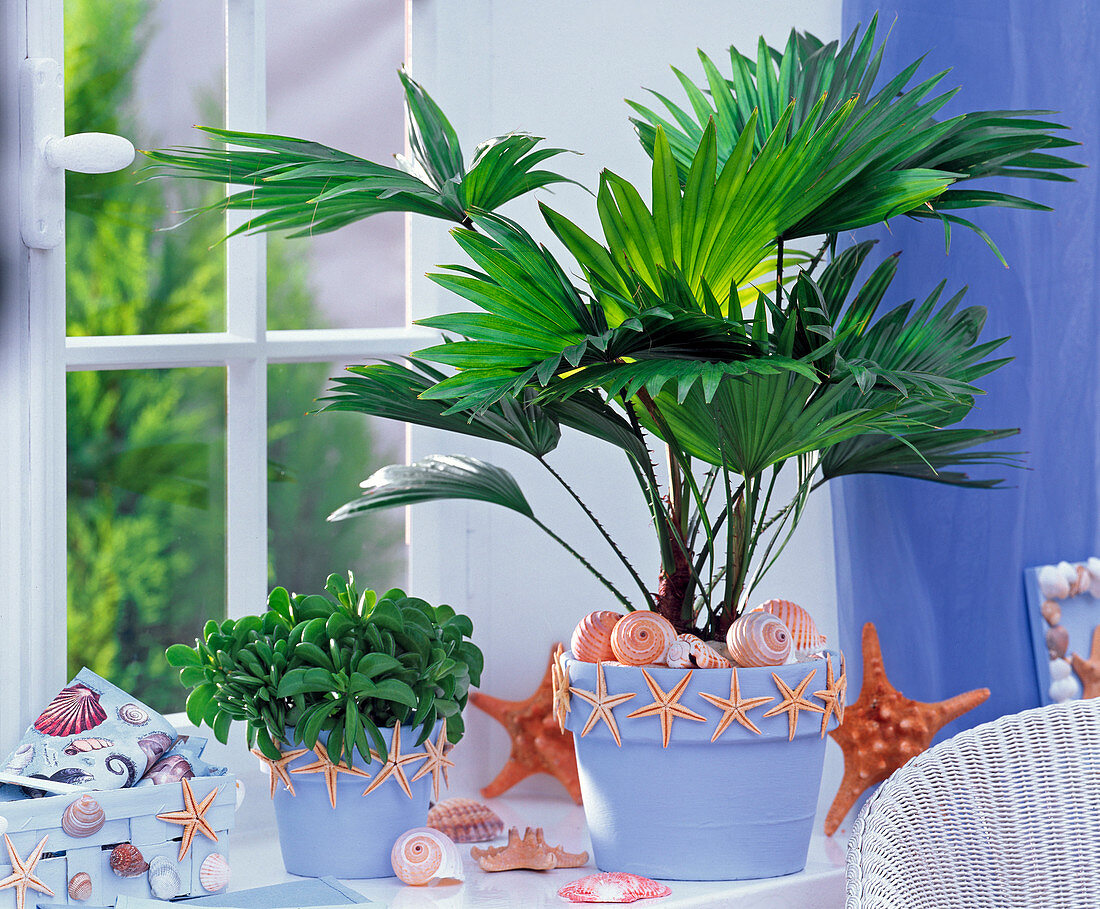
x=671, y=590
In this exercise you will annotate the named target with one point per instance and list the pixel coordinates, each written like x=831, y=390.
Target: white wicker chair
x=1002, y=816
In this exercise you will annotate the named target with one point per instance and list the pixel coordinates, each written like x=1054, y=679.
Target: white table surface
x=256, y=862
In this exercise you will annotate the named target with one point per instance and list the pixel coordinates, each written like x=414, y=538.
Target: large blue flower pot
x=737, y=808
x=354, y=839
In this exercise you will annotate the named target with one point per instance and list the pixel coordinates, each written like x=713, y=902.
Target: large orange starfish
x=883, y=729
x=1088, y=671
x=192, y=818
x=666, y=705
x=22, y=873
x=331, y=771
x=538, y=746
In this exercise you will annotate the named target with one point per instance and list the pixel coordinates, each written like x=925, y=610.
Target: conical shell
x=591, y=641
x=465, y=821
x=424, y=854
x=83, y=817
x=127, y=861
x=214, y=872
x=759, y=639
x=804, y=634
x=80, y=886
x=75, y=709
x=642, y=638
x=164, y=878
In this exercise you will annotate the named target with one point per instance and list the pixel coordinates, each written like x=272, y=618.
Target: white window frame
x=35, y=356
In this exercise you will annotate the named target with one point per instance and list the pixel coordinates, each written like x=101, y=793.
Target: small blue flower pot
x=354, y=839
x=737, y=808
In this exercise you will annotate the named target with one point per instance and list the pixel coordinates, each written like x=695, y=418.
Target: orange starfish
x=277, y=769
x=883, y=729
x=735, y=708
x=22, y=873
x=192, y=818
x=394, y=765
x=833, y=695
x=1088, y=671
x=561, y=690
x=538, y=746
x=602, y=705
x=436, y=762
x=666, y=705
x=793, y=702
x=324, y=765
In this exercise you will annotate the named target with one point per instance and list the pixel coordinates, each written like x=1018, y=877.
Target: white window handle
x=45, y=153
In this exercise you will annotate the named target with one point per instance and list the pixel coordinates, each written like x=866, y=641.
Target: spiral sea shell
x=154, y=745
x=75, y=709
x=80, y=886
x=214, y=872
x=679, y=652
x=424, y=854
x=83, y=817
x=759, y=639
x=689, y=651
x=591, y=641
x=133, y=714
x=642, y=638
x=127, y=861
x=465, y=821
x=76, y=746
x=804, y=634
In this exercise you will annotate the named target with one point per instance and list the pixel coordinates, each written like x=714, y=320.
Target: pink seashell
x=691, y=652
x=425, y=854
x=612, y=887
x=214, y=872
x=759, y=639
x=75, y=709
x=127, y=861
x=465, y=821
x=799, y=622
x=80, y=886
x=642, y=638
x=591, y=641
x=83, y=817
x=679, y=652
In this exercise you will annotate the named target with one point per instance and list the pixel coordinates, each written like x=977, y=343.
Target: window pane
x=146, y=521
x=332, y=77
x=146, y=70
x=316, y=462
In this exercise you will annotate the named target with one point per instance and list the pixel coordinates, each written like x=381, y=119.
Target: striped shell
x=679, y=652
x=76, y=746
x=591, y=641
x=75, y=709
x=80, y=886
x=214, y=873
x=799, y=622
x=424, y=854
x=133, y=714
x=83, y=817
x=164, y=878
x=759, y=639
x=127, y=861
x=465, y=821
x=612, y=887
x=689, y=651
x=642, y=638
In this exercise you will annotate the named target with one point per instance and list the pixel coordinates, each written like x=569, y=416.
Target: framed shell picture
x=1063, y=604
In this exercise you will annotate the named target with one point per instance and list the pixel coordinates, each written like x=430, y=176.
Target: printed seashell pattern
x=20, y=759
x=612, y=887
x=77, y=746
x=759, y=639
x=154, y=745
x=80, y=886
x=133, y=714
x=465, y=820
x=127, y=861
x=83, y=817
x=591, y=640
x=76, y=709
x=164, y=878
x=642, y=638
x=214, y=873
x=425, y=854
x=804, y=634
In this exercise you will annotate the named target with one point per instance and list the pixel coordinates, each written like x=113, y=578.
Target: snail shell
x=679, y=652
x=1057, y=641
x=127, y=861
x=759, y=639
x=1051, y=611
x=800, y=623
x=591, y=641
x=214, y=873
x=83, y=817
x=80, y=886
x=642, y=638
x=164, y=879
x=689, y=651
x=133, y=714
x=424, y=854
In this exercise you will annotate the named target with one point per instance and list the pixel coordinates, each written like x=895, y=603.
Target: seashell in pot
x=164, y=878
x=679, y=652
x=804, y=634
x=424, y=854
x=689, y=651
x=591, y=640
x=80, y=886
x=759, y=639
x=214, y=873
x=465, y=821
x=127, y=861
x=642, y=639
x=83, y=817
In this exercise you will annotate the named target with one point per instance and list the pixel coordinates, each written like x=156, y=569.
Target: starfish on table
x=192, y=818
x=666, y=705
x=324, y=765
x=394, y=765
x=883, y=729
x=1088, y=671
x=561, y=690
x=602, y=705
x=436, y=762
x=833, y=695
x=538, y=745
x=793, y=702
x=734, y=708
x=277, y=769
x=22, y=873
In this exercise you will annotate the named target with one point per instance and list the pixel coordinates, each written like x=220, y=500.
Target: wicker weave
x=1003, y=816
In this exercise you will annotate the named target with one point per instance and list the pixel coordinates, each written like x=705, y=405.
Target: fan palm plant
x=697, y=321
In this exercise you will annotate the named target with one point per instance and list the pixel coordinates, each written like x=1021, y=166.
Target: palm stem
x=592, y=568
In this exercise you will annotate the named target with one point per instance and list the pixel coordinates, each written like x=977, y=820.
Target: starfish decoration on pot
x=666, y=705
x=1088, y=671
x=277, y=770
x=324, y=765
x=735, y=708
x=538, y=745
x=833, y=695
x=793, y=702
x=22, y=873
x=602, y=705
x=883, y=729
x=436, y=762
x=192, y=818
x=394, y=765
x=561, y=690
